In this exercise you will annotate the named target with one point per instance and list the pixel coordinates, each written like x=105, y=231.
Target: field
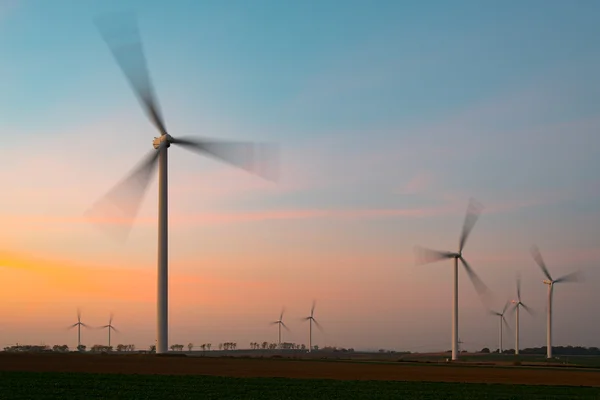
x=53, y=376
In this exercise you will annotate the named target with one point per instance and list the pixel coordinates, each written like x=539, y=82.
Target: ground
x=72, y=375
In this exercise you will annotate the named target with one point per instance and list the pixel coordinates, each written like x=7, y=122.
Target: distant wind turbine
x=280, y=323
x=124, y=42
x=571, y=277
x=426, y=256
x=518, y=303
x=310, y=320
x=502, y=322
x=110, y=328
x=78, y=324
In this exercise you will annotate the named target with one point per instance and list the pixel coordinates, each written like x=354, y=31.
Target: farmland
x=149, y=377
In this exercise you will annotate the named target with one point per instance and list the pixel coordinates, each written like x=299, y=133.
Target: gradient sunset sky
x=389, y=114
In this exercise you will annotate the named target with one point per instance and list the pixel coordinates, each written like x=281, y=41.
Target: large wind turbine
x=502, y=322
x=124, y=41
x=425, y=256
x=280, y=323
x=78, y=324
x=518, y=303
x=311, y=319
x=110, y=327
x=571, y=277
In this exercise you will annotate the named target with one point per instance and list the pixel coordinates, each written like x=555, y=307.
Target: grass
x=39, y=385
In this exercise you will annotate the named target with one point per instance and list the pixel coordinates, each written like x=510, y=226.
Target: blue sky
x=390, y=115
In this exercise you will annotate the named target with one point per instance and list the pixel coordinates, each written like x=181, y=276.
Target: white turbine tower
x=425, y=256
x=110, y=328
x=518, y=303
x=502, y=322
x=311, y=319
x=280, y=323
x=124, y=41
x=572, y=277
x=78, y=324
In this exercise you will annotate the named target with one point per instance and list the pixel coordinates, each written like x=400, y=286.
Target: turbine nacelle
x=548, y=282
x=168, y=139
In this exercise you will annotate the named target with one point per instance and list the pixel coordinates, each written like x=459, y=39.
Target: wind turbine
x=110, y=327
x=571, y=277
x=426, y=256
x=254, y=158
x=280, y=323
x=502, y=322
x=518, y=303
x=78, y=324
x=310, y=320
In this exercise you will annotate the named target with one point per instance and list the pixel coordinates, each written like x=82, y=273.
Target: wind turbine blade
x=528, y=309
x=478, y=284
x=494, y=313
x=505, y=322
x=572, y=277
x=110, y=319
x=519, y=287
x=312, y=309
x=257, y=158
x=318, y=325
x=273, y=323
x=285, y=326
x=474, y=210
x=424, y=255
x=78, y=315
x=85, y=326
x=121, y=34
x=281, y=315
x=72, y=326
x=121, y=204
x=537, y=256
x=115, y=329
x=505, y=307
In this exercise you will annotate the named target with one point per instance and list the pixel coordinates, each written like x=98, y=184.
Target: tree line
x=556, y=350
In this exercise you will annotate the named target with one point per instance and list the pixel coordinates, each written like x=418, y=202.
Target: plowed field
x=249, y=367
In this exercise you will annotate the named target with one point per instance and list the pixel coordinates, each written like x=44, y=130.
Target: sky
x=389, y=116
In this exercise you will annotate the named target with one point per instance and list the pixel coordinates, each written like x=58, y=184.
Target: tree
x=220, y=346
x=190, y=346
x=208, y=346
x=81, y=347
x=152, y=348
x=173, y=347
x=485, y=350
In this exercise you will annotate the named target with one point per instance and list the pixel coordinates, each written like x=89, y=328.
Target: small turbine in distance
x=518, y=303
x=571, y=277
x=78, y=324
x=280, y=323
x=110, y=327
x=311, y=319
x=426, y=256
x=502, y=322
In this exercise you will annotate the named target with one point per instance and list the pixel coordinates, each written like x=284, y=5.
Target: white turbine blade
x=528, y=309
x=424, y=255
x=318, y=325
x=285, y=326
x=572, y=277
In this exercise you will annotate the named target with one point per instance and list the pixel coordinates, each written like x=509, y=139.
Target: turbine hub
x=548, y=282
x=163, y=138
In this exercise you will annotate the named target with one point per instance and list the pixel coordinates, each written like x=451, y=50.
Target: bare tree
x=190, y=346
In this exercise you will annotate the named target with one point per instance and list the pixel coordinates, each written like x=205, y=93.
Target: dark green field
x=36, y=385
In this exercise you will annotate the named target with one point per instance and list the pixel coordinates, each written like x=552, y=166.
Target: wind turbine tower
x=426, y=256
x=110, y=328
x=124, y=42
x=502, y=322
x=310, y=320
x=78, y=324
x=571, y=277
x=280, y=323
x=518, y=304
